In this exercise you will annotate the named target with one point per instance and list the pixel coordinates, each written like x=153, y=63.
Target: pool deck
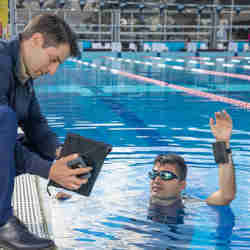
x=43, y=215
x=28, y=205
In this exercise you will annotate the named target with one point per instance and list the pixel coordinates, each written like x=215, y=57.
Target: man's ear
x=37, y=40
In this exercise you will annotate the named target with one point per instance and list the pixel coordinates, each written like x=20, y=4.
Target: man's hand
x=222, y=130
x=65, y=176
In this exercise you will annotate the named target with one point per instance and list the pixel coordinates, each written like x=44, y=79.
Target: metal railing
x=114, y=25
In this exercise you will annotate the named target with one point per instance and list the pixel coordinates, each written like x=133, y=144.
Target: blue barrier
x=175, y=46
x=241, y=46
x=172, y=45
x=86, y=45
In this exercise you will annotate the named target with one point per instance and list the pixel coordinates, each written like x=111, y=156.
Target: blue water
x=142, y=120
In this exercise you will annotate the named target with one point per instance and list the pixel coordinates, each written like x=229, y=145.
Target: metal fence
x=149, y=25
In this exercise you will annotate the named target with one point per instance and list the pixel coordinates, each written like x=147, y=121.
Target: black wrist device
x=221, y=152
x=79, y=162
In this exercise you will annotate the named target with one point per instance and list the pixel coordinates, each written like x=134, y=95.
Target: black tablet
x=92, y=152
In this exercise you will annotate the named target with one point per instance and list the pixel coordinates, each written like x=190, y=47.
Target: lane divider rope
x=216, y=73
x=214, y=97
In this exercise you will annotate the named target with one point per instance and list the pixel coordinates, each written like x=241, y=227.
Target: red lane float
x=190, y=91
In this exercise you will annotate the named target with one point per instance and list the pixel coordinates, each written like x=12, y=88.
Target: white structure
x=156, y=47
x=191, y=47
x=246, y=47
x=203, y=46
x=132, y=46
x=233, y=47
x=107, y=46
x=147, y=47
x=116, y=46
x=96, y=45
x=220, y=46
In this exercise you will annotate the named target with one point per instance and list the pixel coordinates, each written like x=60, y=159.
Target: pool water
x=141, y=119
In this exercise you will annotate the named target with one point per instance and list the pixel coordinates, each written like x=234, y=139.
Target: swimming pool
x=115, y=100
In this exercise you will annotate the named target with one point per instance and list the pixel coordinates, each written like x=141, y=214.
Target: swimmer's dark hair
x=176, y=160
x=54, y=30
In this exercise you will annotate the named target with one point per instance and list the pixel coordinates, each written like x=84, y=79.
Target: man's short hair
x=54, y=30
x=178, y=161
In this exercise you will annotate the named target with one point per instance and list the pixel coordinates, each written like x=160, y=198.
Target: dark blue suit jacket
x=22, y=100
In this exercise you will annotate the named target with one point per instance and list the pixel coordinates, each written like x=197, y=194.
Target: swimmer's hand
x=222, y=129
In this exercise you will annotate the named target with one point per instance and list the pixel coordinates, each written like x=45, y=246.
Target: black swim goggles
x=164, y=175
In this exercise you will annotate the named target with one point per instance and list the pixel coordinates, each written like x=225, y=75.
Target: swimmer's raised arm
x=222, y=130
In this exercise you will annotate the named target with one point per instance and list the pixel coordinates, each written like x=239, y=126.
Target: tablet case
x=93, y=153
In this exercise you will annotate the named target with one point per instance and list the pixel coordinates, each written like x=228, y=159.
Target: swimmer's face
x=166, y=189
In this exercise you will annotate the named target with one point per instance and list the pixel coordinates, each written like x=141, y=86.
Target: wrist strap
x=221, y=152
